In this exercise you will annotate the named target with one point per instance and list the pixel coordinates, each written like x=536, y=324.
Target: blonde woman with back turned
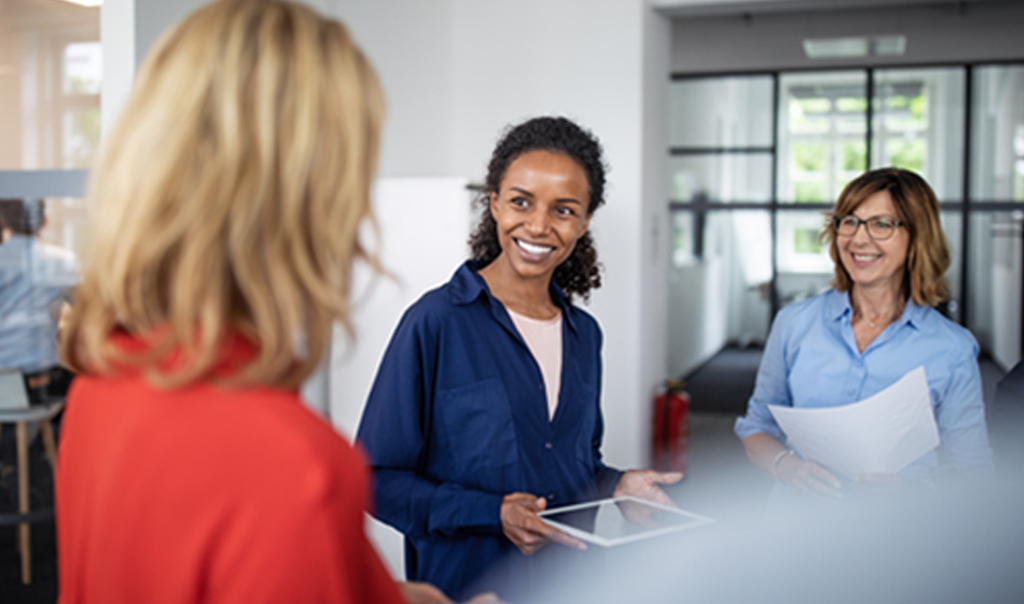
x=227, y=206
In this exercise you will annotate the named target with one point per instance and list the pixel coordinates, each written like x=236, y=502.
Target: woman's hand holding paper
x=808, y=478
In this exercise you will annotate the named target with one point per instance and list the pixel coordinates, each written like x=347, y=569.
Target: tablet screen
x=620, y=520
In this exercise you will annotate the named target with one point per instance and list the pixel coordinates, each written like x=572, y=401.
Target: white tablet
x=618, y=520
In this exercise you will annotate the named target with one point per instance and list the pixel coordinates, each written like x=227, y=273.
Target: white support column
x=117, y=35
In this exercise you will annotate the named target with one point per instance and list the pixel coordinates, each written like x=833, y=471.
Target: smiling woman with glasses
x=877, y=323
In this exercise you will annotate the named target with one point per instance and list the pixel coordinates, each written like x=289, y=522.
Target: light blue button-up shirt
x=811, y=359
x=35, y=279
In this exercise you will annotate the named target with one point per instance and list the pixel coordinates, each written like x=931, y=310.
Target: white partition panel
x=424, y=226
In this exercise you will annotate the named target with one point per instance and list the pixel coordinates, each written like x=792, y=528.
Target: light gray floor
x=720, y=482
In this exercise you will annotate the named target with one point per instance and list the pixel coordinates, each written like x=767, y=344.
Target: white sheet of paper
x=880, y=434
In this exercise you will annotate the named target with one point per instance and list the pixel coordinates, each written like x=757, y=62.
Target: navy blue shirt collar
x=466, y=286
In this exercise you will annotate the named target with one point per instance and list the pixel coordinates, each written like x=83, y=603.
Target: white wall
x=117, y=36
x=411, y=45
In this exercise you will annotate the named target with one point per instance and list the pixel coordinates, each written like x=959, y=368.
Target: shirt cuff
x=745, y=426
x=481, y=512
x=607, y=480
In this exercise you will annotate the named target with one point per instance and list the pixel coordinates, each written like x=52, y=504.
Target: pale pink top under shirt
x=544, y=339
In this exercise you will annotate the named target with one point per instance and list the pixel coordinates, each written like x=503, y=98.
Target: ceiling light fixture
x=888, y=46
x=861, y=46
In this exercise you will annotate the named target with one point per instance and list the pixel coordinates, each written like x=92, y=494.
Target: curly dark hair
x=581, y=272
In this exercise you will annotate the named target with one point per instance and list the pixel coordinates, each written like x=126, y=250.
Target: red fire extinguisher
x=671, y=428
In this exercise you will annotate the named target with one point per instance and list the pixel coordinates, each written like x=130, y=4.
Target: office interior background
x=729, y=126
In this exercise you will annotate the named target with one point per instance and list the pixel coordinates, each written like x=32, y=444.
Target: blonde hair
x=229, y=198
x=918, y=209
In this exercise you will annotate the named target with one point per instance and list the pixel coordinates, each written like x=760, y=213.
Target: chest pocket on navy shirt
x=480, y=433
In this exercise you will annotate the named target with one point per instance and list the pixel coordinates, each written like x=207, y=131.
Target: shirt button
x=551, y=496
x=850, y=392
x=548, y=445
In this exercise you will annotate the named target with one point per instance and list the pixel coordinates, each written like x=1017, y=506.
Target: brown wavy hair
x=229, y=198
x=918, y=209
x=581, y=272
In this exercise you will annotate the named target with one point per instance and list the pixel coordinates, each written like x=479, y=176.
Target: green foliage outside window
x=681, y=239
x=897, y=102
x=917, y=106
x=810, y=157
x=809, y=192
x=913, y=108
x=84, y=133
x=78, y=85
x=854, y=156
x=807, y=241
x=900, y=124
x=843, y=182
x=814, y=105
x=805, y=116
x=852, y=104
x=907, y=154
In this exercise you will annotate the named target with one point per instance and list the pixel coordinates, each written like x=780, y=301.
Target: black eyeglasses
x=879, y=228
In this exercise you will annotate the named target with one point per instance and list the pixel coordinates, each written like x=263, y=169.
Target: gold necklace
x=860, y=315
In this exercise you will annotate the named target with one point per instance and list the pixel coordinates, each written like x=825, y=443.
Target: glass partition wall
x=757, y=160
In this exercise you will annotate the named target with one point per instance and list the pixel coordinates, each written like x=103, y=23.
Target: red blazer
x=207, y=495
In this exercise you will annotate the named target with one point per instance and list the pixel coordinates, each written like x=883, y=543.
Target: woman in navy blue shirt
x=486, y=406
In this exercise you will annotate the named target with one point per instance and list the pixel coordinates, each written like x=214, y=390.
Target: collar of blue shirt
x=839, y=307
x=467, y=285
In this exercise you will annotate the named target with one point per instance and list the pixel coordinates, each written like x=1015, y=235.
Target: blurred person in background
x=877, y=323
x=36, y=284
x=226, y=206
